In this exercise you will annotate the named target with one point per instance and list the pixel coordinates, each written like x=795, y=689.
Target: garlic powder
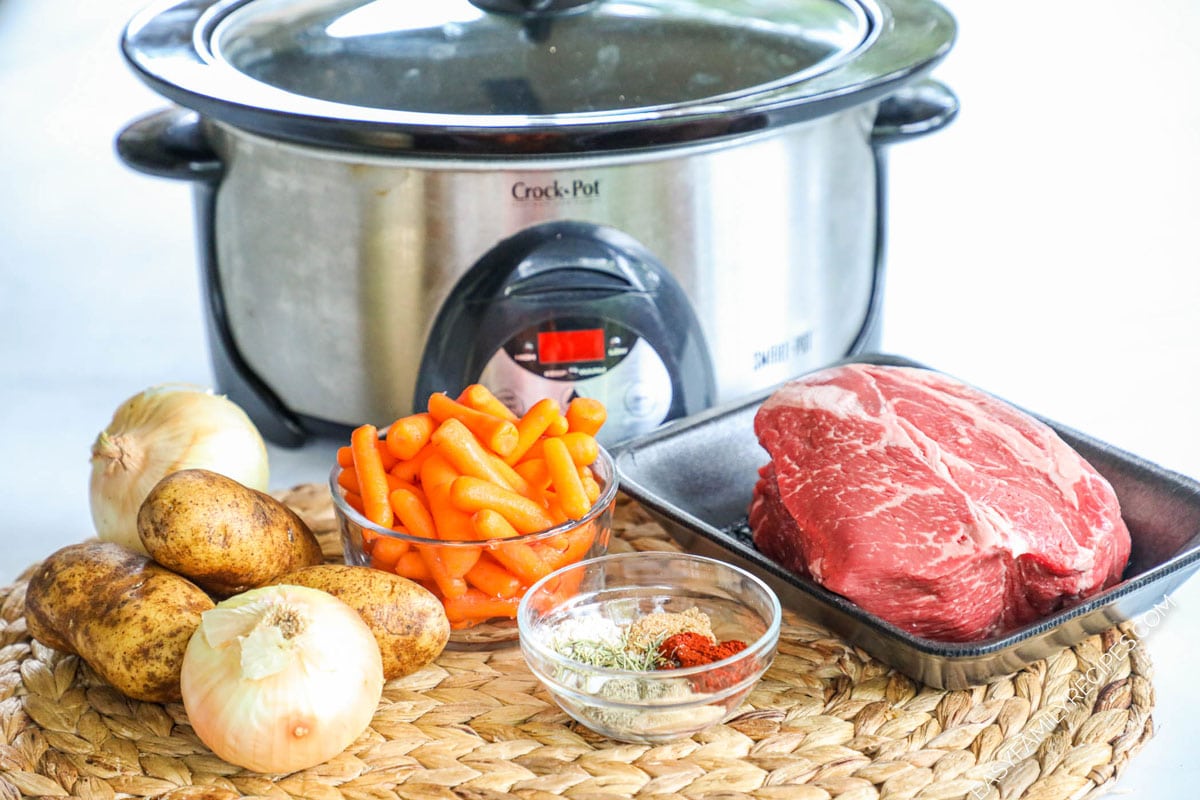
x=650, y=630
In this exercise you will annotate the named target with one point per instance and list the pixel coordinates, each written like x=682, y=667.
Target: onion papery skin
x=304, y=714
x=162, y=430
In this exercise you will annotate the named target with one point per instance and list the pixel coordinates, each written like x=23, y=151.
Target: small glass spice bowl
x=653, y=705
x=555, y=547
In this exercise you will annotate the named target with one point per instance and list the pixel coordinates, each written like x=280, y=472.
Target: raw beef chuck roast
x=930, y=504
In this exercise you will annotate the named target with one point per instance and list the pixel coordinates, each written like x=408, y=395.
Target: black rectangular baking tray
x=697, y=475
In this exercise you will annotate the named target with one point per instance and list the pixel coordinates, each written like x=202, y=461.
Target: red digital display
x=559, y=347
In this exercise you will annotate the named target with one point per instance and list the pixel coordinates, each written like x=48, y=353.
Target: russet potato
x=222, y=535
x=127, y=617
x=408, y=621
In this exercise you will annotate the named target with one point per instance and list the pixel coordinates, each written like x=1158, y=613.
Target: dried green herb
x=597, y=653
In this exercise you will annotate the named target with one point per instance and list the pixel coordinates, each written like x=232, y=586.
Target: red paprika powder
x=689, y=649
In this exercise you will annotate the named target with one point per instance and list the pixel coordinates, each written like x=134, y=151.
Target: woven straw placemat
x=827, y=721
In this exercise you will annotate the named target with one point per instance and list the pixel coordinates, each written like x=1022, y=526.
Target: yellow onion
x=162, y=430
x=281, y=678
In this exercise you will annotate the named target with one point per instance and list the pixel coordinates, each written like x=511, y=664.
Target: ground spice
x=692, y=650
x=646, y=632
x=689, y=649
x=662, y=640
x=655, y=641
x=599, y=642
x=622, y=723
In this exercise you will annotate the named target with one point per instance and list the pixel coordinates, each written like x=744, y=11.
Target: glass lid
x=493, y=77
x=456, y=57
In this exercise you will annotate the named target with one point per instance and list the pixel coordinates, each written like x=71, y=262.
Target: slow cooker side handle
x=169, y=143
x=914, y=110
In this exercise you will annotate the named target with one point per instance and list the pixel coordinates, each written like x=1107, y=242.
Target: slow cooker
x=663, y=204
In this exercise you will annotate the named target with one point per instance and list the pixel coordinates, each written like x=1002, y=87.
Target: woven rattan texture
x=827, y=721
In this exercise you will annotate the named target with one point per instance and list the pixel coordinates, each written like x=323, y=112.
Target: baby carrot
x=385, y=456
x=578, y=542
x=555, y=508
x=436, y=470
x=518, y=558
x=581, y=541
x=590, y=485
x=368, y=540
x=386, y=551
x=586, y=415
x=348, y=480
x=583, y=447
x=475, y=605
x=446, y=569
x=395, y=483
x=345, y=456
x=354, y=500
x=491, y=578
x=471, y=494
x=451, y=523
x=564, y=587
x=510, y=474
x=410, y=469
x=411, y=565
x=412, y=513
x=448, y=585
x=455, y=441
x=497, y=434
x=490, y=524
x=533, y=472
x=564, y=477
x=372, y=478
x=523, y=562
x=532, y=425
x=407, y=435
x=558, y=426
x=480, y=398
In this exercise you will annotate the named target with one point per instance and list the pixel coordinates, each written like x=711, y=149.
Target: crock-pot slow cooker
x=664, y=204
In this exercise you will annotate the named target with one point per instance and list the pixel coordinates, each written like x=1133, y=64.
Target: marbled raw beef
x=930, y=504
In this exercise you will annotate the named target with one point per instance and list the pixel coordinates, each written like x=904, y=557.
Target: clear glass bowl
x=585, y=538
x=656, y=705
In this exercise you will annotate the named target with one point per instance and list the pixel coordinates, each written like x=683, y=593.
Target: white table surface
x=1043, y=246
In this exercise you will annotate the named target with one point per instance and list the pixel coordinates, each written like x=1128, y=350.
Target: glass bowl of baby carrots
x=477, y=503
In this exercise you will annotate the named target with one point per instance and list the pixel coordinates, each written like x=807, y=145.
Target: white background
x=1043, y=246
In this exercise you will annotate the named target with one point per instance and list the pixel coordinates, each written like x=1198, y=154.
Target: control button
x=528, y=353
x=640, y=400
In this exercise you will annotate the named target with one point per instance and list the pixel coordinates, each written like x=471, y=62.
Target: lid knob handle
x=527, y=8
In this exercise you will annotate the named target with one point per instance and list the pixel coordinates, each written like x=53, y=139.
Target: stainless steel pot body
x=344, y=219
x=325, y=268
x=332, y=265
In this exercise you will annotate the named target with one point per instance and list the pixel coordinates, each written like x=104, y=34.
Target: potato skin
x=408, y=621
x=127, y=617
x=224, y=536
